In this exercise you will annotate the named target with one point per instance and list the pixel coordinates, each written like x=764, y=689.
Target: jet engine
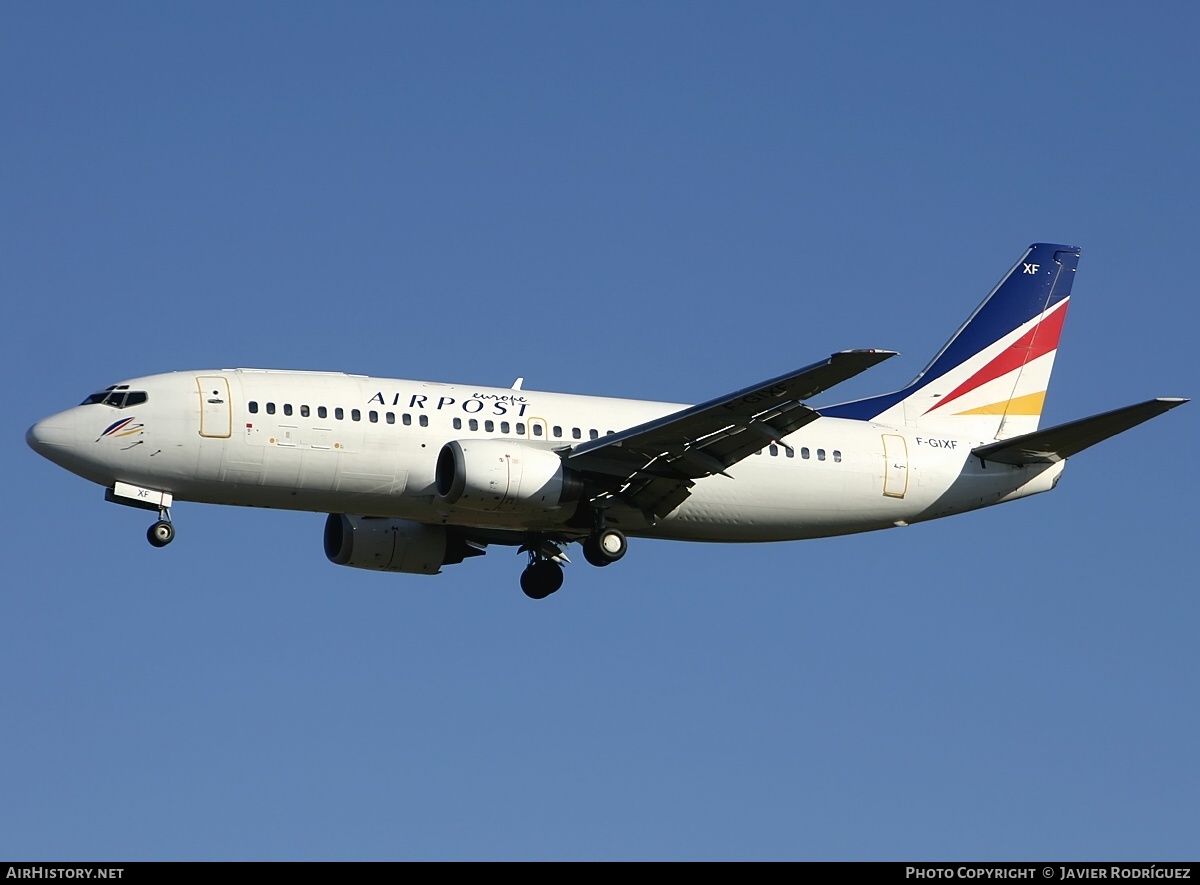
x=503, y=475
x=393, y=545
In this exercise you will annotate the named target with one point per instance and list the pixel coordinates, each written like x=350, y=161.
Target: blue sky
x=659, y=200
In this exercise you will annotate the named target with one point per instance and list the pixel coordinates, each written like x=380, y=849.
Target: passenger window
x=373, y=416
x=837, y=456
x=391, y=417
x=270, y=408
x=473, y=424
x=820, y=454
x=504, y=427
x=355, y=415
x=520, y=428
x=575, y=433
x=253, y=407
x=407, y=419
x=304, y=411
x=287, y=408
x=458, y=423
x=791, y=453
x=593, y=434
x=557, y=432
x=773, y=449
x=339, y=413
x=537, y=429
x=804, y=452
x=489, y=426
x=424, y=420
x=322, y=412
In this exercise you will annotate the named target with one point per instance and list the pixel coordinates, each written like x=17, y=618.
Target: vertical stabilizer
x=990, y=380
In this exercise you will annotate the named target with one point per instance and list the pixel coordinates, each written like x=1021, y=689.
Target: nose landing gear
x=162, y=532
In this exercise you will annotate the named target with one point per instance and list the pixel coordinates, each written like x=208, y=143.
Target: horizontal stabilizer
x=1061, y=442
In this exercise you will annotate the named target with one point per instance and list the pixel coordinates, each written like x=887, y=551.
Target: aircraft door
x=216, y=416
x=537, y=429
x=895, y=470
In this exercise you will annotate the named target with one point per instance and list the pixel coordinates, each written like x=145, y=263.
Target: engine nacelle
x=503, y=475
x=392, y=545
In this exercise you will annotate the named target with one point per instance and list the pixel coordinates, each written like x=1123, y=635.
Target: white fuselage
x=340, y=443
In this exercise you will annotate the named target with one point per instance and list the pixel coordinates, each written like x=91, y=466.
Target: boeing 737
x=417, y=475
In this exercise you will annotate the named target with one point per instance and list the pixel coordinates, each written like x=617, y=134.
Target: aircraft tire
x=606, y=546
x=161, y=533
x=593, y=554
x=541, y=579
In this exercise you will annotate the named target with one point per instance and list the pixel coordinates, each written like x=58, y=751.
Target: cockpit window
x=118, y=398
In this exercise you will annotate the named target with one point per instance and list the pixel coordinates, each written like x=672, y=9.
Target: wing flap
x=1061, y=442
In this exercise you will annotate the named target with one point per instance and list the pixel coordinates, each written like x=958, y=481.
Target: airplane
x=417, y=475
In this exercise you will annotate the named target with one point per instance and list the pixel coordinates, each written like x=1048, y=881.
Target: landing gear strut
x=162, y=532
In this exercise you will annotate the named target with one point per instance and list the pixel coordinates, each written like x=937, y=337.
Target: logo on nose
x=124, y=427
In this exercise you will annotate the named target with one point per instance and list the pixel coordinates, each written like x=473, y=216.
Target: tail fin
x=990, y=379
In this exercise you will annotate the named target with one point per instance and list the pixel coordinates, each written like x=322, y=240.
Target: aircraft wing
x=1061, y=442
x=653, y=466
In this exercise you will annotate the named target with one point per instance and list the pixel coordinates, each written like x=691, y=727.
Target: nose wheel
x=162, y=532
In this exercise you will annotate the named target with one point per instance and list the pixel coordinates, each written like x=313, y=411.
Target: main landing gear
x=544, y=574
x=604, y=547
x=541, y=578
x=162, y=532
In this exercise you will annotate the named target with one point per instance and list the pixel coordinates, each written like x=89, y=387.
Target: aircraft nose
x=51, y=437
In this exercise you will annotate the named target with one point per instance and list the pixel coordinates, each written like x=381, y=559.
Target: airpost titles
x=489, y=403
